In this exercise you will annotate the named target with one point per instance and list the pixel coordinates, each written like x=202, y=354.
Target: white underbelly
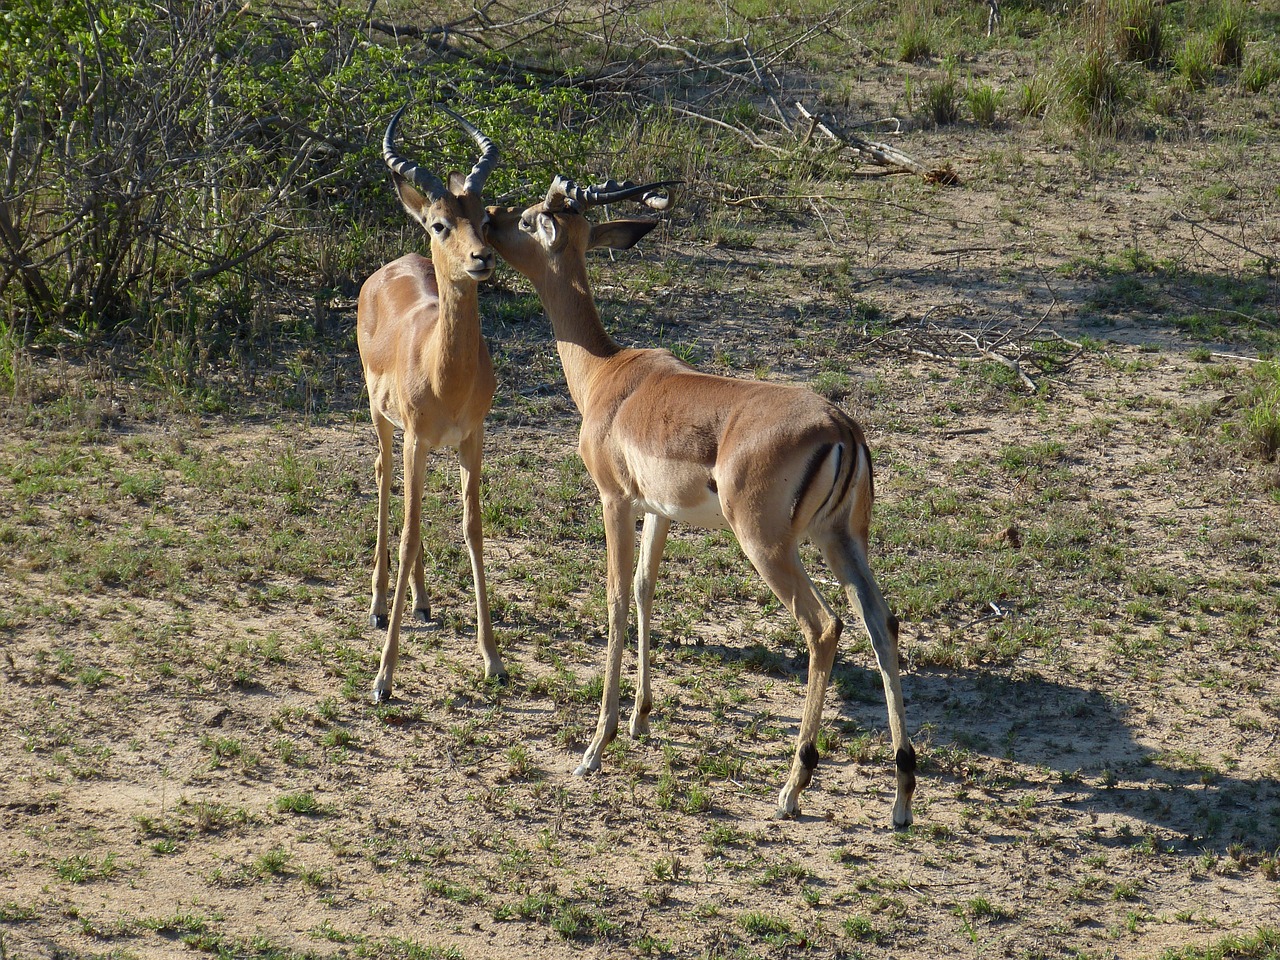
x=704, y=513
x=450, y=436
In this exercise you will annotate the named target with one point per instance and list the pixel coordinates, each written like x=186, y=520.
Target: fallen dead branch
x=880, y=154
x=1022, y=347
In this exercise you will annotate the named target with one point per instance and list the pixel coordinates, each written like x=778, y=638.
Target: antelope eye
x=440, y=228
x=526, y=224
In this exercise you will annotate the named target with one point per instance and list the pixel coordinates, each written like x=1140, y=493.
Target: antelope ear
x=414, y=203
x=548, y=230
x=619, y=234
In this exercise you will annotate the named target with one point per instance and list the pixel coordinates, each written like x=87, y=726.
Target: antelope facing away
x=775, y=464
x=428, y=373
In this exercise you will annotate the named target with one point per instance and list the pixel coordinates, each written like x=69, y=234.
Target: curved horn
x=423, y=179
x=488, y=155
x=564, y=189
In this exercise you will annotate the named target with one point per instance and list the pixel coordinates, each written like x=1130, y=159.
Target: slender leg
x=469, y=455
x=652, y=542
x=620, y=544
x=847, y=558
x=418, y=589
x=415, y=469
x=381, y=555
x=778, y=561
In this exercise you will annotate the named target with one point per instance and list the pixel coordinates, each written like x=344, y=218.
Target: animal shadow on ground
x=1008, y=736
x=1014, y=733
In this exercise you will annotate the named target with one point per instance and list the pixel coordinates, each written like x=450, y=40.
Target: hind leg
x=847, y=557
x=779, y=565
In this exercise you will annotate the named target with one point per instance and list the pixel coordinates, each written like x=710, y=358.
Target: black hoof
x=378, y=621
x=422, y=614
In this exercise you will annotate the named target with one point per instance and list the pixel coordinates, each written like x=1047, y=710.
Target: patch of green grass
x=770, y=928
x=1263, y=945
x=273, y=863
x=1260, y=72
x=1138, y=27
x=572, y=920
x=1034, y=95
x=13, y=912
x=1015, y=458
x=447, y=890
x=984, y=103
x=915, y=39
x=1227, y=35
x=1257, y=421
x=85, y=869
x=178, y=923
x=863, y=928
x=981, y=908
x=1193, y=62
x=1095, y=92
x=941, y=100
x=304, y=804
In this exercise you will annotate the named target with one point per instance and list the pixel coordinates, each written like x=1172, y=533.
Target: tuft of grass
x=1095, y=91
x=1259, y=415
x=1259, y=946
x=915, y=31
x=83, y=869
x=1260, y=73
x=1227, y=36
x=984, y=103
x=304, y=804
x=1193, y=63
x=942, y=100
x=273, y=863
x=1138, y=26
x=772, y=929
x=1034, y=96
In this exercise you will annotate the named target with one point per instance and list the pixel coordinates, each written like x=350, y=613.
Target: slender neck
x=457, y=328
x=581, y=339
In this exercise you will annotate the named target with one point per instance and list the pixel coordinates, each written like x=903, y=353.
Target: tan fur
x=428, y=373
x=778, y=464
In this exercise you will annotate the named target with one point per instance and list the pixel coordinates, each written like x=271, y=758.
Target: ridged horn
x=488, y=155
x=431, y=185
x=565, y=190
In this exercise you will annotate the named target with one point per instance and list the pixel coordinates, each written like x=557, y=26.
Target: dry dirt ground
x=1111, y=789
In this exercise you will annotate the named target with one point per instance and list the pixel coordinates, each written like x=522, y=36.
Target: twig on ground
x=880, y=154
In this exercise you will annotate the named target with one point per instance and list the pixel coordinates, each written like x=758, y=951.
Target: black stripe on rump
x=810, y=473
x=848, y=478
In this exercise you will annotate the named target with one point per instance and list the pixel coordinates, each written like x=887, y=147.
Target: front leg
x=382, y=468
x=653, y=541
x=620, y=547
x=415, y=472
x=469, y=455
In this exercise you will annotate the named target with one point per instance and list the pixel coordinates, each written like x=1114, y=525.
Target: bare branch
x=880, y=154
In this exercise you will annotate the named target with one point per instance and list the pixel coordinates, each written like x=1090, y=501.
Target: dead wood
x=1019, y=345
x=871, y=151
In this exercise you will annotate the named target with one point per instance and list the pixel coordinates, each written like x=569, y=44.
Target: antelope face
x=530, y=239
x=457, y=226
x=453, y=215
